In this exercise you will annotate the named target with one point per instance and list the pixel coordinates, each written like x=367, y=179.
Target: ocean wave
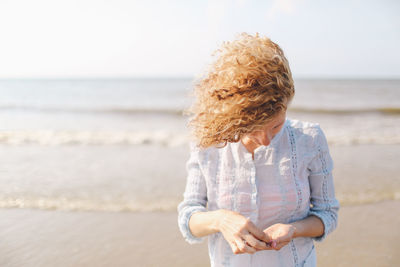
x=160, y=137
x=48, y=137
x=159, y=204
x=361, y=198
x=348, y=111
x=180, y=111
x=110, y=110
x=364, y=140
x=76, y=204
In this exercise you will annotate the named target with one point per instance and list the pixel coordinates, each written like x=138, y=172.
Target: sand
x=367, y=235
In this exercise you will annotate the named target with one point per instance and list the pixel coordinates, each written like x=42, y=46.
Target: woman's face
x=269, y=130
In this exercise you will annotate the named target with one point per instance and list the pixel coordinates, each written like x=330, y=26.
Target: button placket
x=254, y=193
x=251, y=167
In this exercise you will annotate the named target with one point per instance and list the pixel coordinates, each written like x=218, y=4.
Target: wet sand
x=367, y=236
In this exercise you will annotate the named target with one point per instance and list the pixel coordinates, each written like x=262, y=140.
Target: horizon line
x=186, y=77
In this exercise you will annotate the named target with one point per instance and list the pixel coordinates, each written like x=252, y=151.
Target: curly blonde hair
x=248, y=84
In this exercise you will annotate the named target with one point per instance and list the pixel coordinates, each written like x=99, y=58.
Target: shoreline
x=118, y=178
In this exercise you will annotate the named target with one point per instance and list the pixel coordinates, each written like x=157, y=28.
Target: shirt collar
x=273, y=142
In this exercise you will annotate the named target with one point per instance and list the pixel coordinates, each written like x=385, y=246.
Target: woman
x=259, y=185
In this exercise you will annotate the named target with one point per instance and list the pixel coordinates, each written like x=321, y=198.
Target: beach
x=367, y=234
x=93, y=170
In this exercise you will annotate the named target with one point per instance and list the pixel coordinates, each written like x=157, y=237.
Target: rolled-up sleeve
x=324, y=204
x=194, y=197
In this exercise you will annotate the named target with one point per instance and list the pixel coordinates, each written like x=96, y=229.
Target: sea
x=121, y=144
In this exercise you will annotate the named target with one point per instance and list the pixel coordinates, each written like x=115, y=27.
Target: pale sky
x=171, y=38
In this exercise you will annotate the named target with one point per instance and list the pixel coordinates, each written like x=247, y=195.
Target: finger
x=280, y=240
x=255, y=243
x=257, y=232
x=243, y=247
x=234, y=247
x=268, y=247
x=284, y=237
x=271, y=245
x=281, y=245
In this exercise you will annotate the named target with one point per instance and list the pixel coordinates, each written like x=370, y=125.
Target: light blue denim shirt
x=288, y=180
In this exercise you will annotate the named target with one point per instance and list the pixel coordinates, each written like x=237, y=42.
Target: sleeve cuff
x=329, y=224
x=184, y=217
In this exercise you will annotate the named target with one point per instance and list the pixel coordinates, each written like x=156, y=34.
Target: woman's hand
x=241, y=234
x=281, y=233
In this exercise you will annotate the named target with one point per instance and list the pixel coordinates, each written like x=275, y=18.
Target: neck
x=249, y=145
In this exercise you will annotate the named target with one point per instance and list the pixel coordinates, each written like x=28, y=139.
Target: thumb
x=258, y=233
x=267, y=237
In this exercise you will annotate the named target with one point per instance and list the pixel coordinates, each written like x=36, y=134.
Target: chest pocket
x=223, y=188
x=234, y=189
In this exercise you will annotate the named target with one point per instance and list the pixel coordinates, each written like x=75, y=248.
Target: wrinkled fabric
x=287, y=181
